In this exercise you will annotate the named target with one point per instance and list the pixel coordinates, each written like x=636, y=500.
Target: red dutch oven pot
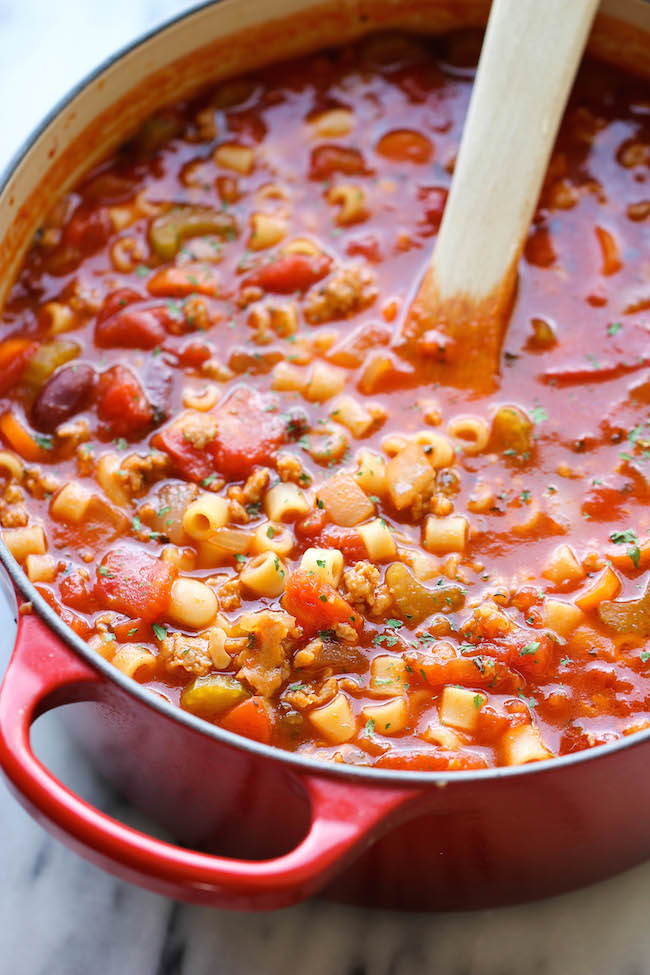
x=279, y=827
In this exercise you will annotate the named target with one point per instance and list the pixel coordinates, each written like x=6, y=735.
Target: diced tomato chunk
x=134, y=583
x=131, y=328
x=418, y=81
x=295, y=272
x=75, y=592
x=88, y=229
x=117, y=301
x=346, y=540
x=327, y=160
x=192, y=463
x=312, y=524
x=433, y=200
x=179, y=282
x=121, y=402
x=248, y=433
x=251, y=718
x=14, y=356
x=317, y=605
x=430, y=760
x=133, y=631
x=77, y=623
x=603, y=502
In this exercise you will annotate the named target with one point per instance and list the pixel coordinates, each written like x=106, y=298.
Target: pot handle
x=44, y=673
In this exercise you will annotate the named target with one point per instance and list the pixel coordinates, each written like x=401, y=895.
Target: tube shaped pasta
x=379, y=541
x=284, y=501
x=334, y=721
x=274, y=538
x=108, y=478
x=460, y=706
x=371, y=476
x=266, y=231
x=522, y=745
x=440, y=452
x=22, y=542
x=444, y=535
x=264, y=575
x=135, y=661
x=40, y=568
x=11, y=465
x=389, y=718
x=230, y=155
x=204, y=516
x=326, y=563
x=473, y=433
x=325, y=381
x=71, y=503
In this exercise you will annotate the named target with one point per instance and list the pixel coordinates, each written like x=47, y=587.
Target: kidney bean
x=66, y=393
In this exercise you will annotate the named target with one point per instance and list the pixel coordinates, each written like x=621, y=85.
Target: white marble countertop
x=60, y=916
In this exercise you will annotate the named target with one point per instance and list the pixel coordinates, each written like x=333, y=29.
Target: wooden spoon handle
x=528, y=62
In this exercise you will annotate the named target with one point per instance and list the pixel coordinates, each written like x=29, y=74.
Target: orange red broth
x=214, y=364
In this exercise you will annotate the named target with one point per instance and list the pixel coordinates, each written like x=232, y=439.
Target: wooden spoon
x=529, y=59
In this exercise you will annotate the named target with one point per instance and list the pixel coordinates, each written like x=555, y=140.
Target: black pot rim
x=371, y=777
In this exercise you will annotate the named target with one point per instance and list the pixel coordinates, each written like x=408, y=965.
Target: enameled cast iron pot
x=296, y=827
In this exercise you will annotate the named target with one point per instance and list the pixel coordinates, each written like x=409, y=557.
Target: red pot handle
x=342, y=815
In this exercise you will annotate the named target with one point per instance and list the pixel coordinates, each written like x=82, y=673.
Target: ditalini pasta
x=225, y=466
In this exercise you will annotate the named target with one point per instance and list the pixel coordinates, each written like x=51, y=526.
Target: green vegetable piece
x=627, y=616
x=170, y=229
x=45, y=361
x=511, y=430
x=414, y=601
x=154, y=133
x=209, y=696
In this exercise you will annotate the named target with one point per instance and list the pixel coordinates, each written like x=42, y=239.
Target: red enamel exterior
x=274, y=829
x=477, y=840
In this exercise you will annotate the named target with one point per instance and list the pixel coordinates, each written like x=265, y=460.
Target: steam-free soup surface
x=226, y=470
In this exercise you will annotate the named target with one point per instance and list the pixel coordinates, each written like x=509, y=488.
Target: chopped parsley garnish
x=614, y=328
x=530, y=648
x=159, y=631
x=538, y=414
x=628, y=537
x=207, y=481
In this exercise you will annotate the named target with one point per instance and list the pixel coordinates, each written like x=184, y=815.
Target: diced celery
x=45, y=361
x=210, y=696
x=415, y=602
x=170, y=229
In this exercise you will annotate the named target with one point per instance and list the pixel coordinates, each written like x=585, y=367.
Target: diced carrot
x=21, y=440
x=178, y=282
x=405, y=145
x=317, y=605
x=14, y=356
x=134, y=583
x=295, y=272
x=251, y=718
x=610, y=250
x=606, y=586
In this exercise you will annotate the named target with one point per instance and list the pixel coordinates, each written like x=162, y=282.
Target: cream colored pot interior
x=221, y=40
